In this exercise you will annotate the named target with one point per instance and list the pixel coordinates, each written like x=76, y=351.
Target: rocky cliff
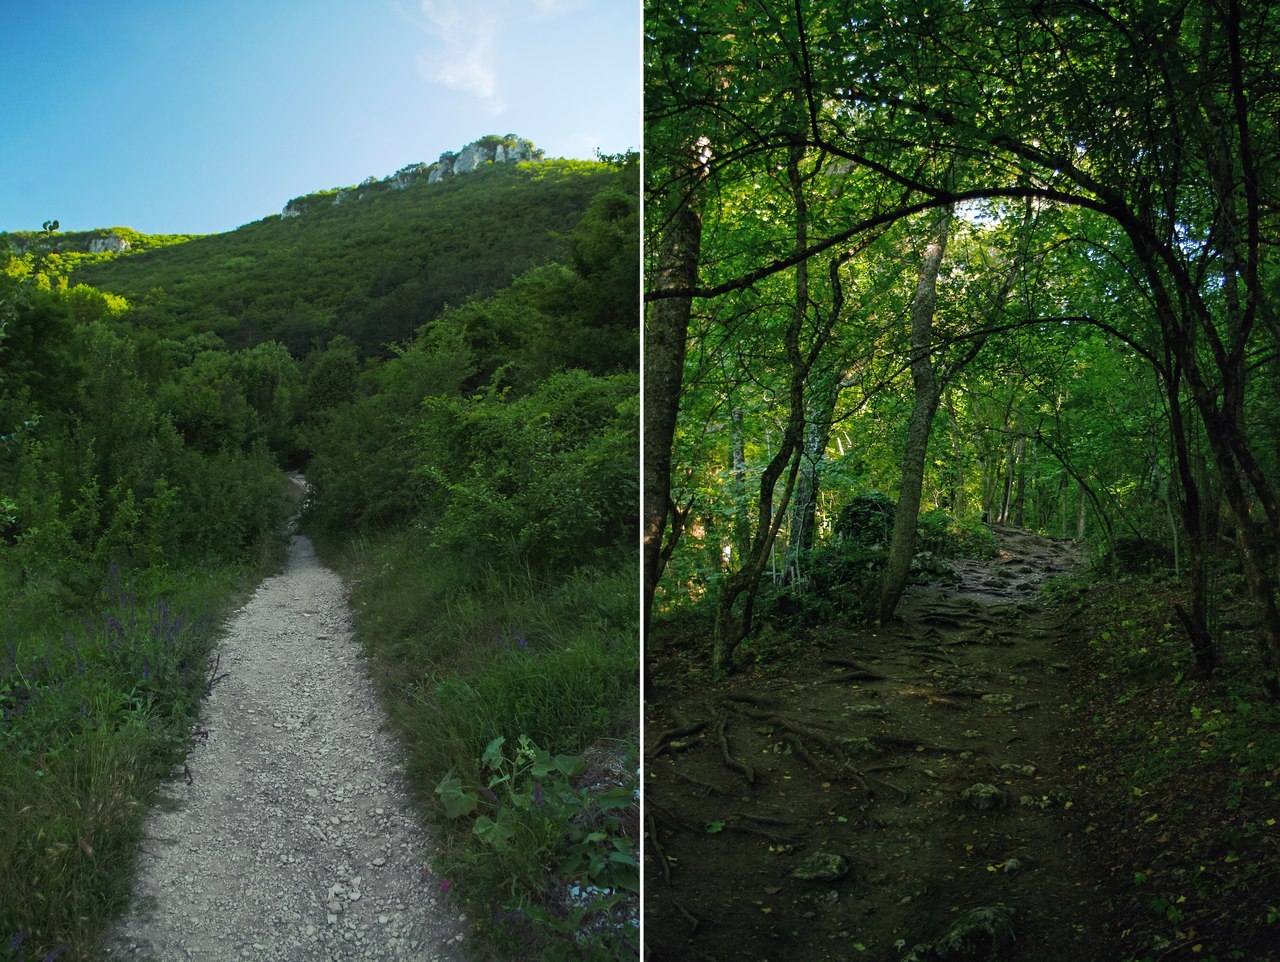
x=491, y=149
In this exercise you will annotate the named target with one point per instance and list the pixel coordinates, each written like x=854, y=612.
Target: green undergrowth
x=515, y=697
x=97, y=706
x=1186, y=772
x=841, y=578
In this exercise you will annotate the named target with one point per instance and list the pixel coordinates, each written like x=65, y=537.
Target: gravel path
x=294, y=838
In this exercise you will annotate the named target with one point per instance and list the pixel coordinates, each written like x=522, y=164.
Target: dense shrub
x=867, y=520
x=548, y=478
x=946, y=536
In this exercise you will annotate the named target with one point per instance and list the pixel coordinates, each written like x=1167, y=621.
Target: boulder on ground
x=984, y=797
x=980, y=935
x=821, y=867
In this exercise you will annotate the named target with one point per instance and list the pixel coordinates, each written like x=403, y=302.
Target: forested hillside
x=922, y=279
x=453, y=366
x=373, y=268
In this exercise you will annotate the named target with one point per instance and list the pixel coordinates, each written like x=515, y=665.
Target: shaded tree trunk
x=745, y=582
x=741, y=541
x=804, y=506
x=1196, y=620
x=1019, y=498
x=927, y=394
x=665, y=340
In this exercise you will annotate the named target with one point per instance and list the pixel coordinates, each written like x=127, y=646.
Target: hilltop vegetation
x=454, y=366
x=372, y=269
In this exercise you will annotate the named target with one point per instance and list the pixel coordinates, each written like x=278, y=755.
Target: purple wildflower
x=52, y=956
x=15, y=943
x=537, y=794
x=489, y=793
x=75, y=651
x=445, y=885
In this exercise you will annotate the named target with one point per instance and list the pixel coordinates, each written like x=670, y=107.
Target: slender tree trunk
x=1227, y=444
x=1006, y=491
x=666, y=332
x=745, y=582
x=741, y=540
x=957, y=459
x=1082, y=510
x=927, y=393
x=1196, y=620
x=804, y=506
x=1019, y=499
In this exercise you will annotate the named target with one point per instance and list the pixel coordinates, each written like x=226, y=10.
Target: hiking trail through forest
x=289, y=835
x=885, y=782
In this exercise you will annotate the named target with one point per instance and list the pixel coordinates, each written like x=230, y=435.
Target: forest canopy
x=1007, y=259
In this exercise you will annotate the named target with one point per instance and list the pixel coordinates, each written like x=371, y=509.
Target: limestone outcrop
x=112, y=243
x=490, y=149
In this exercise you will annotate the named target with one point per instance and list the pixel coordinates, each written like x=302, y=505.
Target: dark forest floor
x=958, y=759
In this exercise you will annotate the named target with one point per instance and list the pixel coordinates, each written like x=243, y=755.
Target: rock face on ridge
x=490, y=149
x=113, y=243
x=487, y=150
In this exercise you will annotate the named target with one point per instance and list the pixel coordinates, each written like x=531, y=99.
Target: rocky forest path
x=880, y=790
x=290, y=835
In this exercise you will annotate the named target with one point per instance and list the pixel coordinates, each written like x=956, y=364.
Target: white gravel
x=294, y=839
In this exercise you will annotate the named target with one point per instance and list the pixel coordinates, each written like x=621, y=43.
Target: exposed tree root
x=860, y=675
x=657, y=849
x=797, y=746
x=666, y=741
x=924, y=652
x=706, y=786
x=859, y=671
x=763, y=819
x=742, y=768
x=760, y=701
x=694, y=922
x=801, y=731
x=775, y=837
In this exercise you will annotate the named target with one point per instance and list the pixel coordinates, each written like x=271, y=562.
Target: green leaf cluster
x=537, y=819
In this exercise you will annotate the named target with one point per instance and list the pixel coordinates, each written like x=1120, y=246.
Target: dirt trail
x=293, y=838
x=929, y=756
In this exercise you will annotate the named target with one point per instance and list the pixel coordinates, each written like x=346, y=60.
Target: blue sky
x=202, y=115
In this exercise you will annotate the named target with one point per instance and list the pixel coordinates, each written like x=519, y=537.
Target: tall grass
x=95, y=708
x=520, y=691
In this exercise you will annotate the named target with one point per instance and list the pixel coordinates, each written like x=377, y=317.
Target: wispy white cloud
x=555, y=8
x=464, y=54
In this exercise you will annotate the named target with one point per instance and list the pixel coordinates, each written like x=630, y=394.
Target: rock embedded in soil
x=1013, y=768
x=821, y=867
x=980, y=935
x=984, y=797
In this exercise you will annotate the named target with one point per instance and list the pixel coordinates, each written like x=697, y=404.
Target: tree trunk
x=745, y=582
x=957, y=460
x=665, y=339
x=927, y=393
x=1196, y=620
x=1082, y=510
x=741, y=540
x=1019, y=498
x=804, y=506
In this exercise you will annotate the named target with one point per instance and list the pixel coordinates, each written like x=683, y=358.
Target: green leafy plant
x=574, y=873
